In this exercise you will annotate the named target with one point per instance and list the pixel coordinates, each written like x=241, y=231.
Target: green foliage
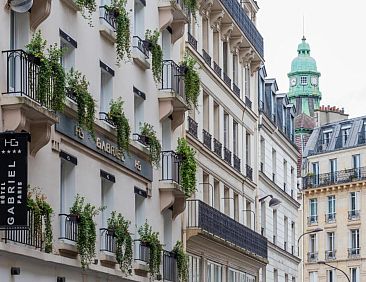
x=152, y=38
x=188, y=167
x=36, y=202
x=191, y=80
x=118, y=8
x=192, y=6
x=87, y=8
x=120, y=225
x=151, y=239
x=117, y=116
x=86, y=229
x=78, y=85
x=49, y=68
x=182, y=261
x=154, y=145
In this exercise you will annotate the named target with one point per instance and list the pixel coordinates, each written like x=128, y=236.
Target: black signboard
x=13, y=179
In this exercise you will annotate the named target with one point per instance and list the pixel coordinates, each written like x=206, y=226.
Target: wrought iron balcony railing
x=227, y=80
x=192, y=127
x=207, y=137
x=227, y=155
x=172, y=78
x=108, y=16
x=104, y=116
x=312, y=256
x=170, y=268
x=212, y=221
x=236, y=90
x=140, y=45
x=141, y=251
x=354, y=252
x=248, y=102
x=170, y=168
x=69, y=227
x=249, y=172
x=331, y=178
x=107, y=240
x=312, y=219
x=217, y=147
x=330, y=217
x=236, y=162
x=23, y=78
x=354, y=215
x=206, y=57
x=30, y=235
x=192, y=41
x=245, y=24
x=330, y=255
x=217, y=69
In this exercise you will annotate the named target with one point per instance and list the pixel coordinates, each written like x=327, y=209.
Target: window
x=355, y=242
x=194, y=265
x=303, y=80
x=236, y=207
x=331, y=275
x=274, y=165
x=326, y=138
x=312, y=247
x=292, y=181
x=214, y=272
x=354, y=205
x=286, y=277
x=138, y=110
x=275, y=275
x=313, y=276
x=235, y=138
x=330, y=243
x=263, y=154
x=224, y=55
x=226, y=201
x=293, y=235
x=315, y=177
x=345, y=135
x=331, y=209
x=356, y=165
x=355, y=274
x=333, y=170
x=216, y=121
x=106, y=88
x=248, y=147
x=206, y=111
x=284, y=175
x=139, y=19
x=217, y=195
x=107, y=200
x=236, y=276
x=247, y=81
x=263, y=218
x=68, y=45
x=285, y=222
x=313, y=216
x=235, y=69
x=248, y=207
x=274, y=226
x=226, y=130
x=205, y=35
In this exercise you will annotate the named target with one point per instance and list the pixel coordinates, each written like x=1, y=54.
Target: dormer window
x=303, y=80
x=345, y=134
x=326, y=137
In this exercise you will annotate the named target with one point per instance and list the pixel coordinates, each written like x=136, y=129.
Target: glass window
x=68, y=55
x=355, y=274
x=303, y=80
x=313, y=276
x=235, y=138
x=355, y=241
x=138, y=112
x=315, y=177
x=313, y=210
x=326, y=137
x=194, y=268
x=331, y=275
x=333, y=170
x=226, y=130
x=330, y=239
x=356, y=165
x=312, y=245
x=354, y=203
x=331, y=208
x=214, y=272
x=345, y=135
x=106, y=93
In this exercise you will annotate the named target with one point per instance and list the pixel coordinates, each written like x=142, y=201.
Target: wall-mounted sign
x=13, y=179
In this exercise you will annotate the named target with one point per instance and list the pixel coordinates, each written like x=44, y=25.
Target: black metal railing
x=31, y=235
x=107, y=240
x=142, y=139
x=71, y=95
x=331, y=178
x=192, y=127
x=141, y=251
x=227, y=155
x=217, y=147
x=207, y=137
x=69, y=227
x=354, y=215
x=209, y=219
x=170, y=168
x=227, y=80
x=262, y=167
x=312, y=256
x=170, y=268
x=236, y=162
x=192, y=41
x=330, y=217
x=108, y=16
x=236, y=90
x=330, y=255
x=245, y=24
x=23, y=78
x=104, y=116
x=206, y=57
x=285, y=246
x=249, y=172
x=312, y=219
x=217, y=69
x=172, y=78
x=248, y=103
x=140, y=45
x=353, y=252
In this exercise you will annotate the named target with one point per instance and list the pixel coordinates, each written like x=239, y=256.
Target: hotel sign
x=13, y=179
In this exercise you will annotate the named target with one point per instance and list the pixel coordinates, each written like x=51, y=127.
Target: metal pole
x=345, y=274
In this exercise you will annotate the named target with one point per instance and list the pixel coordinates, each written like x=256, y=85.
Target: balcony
x=206, y=57
x=333, y=178
x=312, y=256
x=141, y=257
x=330, y=255
x=217, y=148
x=354, y=215
x=107, y=255
x=192, y=127
x=217, y=69
x=174, y=14
x=171, y=195
x=207, y=138
x=330, y=218
x=248, y=103
x=313, y=219
x=69, y=226
x=236, y=90
x=104, y=116
x=140, y=52
x=227, y=155
x=249, y=172
x=172, y=101
x=206, y=221
x=227, y=80
x=192, y=41
x=236, y=162
x=25, y=106
x=108, y=24
x=354, y=252
x=170, y=268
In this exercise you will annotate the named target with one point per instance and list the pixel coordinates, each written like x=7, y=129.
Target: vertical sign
x=13, y=179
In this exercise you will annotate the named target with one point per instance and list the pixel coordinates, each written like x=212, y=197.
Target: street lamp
x=316, y=230
x=345, y=274
x=273, y=202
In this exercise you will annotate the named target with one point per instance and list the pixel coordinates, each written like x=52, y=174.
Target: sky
x=336, y=32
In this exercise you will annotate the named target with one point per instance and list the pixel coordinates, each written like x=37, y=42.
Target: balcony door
x=330, y=242
x=355, y=242
x=333, y=170
x=356, y=166
x=313, y=210
x=315, y=179
x=331, y=208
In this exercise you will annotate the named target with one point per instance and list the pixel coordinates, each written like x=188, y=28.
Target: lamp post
x=345, y=274
x=273, y=202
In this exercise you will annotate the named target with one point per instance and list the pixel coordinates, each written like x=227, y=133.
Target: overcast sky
x=336, y=32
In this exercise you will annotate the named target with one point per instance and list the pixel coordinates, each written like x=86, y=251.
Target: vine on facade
x=182, y=261
x=147, y=130
x=151, y=40
x=191, y=80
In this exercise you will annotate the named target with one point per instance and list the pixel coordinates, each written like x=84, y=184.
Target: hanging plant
x=58, y=73
x=151, y=239
x=36, y=202
x=87, y=8
x=147, y=130
x=152, y=38
x=119, y=226
x=78, y=85
x=86, y=235
x=123, y=38
x=182, y=261
x=192, y=6
x=191, y=80
x=188, y=167
x=117, y=116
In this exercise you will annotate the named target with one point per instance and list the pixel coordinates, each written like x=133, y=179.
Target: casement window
x=331, y=208
x=194, y=268
x=331, y=275
x=106, y=87
x=68, y=46
x=214, y=272
x=313, y=276
x=313, y=216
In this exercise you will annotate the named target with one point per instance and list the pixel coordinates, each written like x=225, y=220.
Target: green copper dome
x=303, y=62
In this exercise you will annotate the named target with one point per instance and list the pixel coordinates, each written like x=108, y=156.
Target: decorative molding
x=226, y=30
x=41, y=9
x=235, y=44
x=216, y=18
x=205, y=8
x=246, y=54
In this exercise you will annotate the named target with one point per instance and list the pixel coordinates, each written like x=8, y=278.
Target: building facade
x=333, y=189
